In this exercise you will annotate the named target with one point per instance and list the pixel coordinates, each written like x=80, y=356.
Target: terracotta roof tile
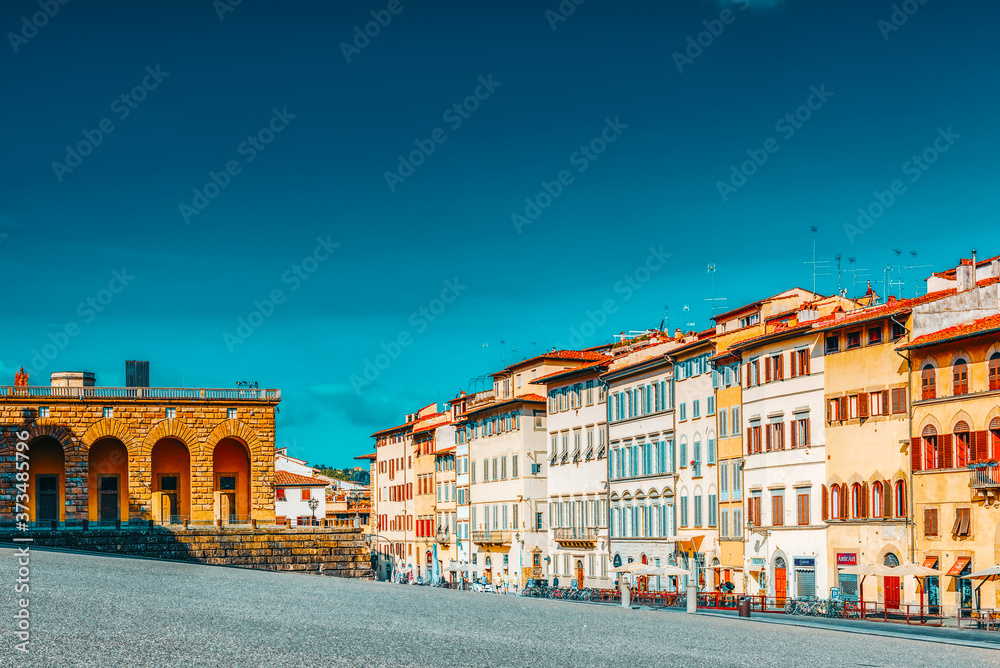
x=576, y=355
x=296, y=480
x=370, y=455
x=572, y=370
x=965, y=330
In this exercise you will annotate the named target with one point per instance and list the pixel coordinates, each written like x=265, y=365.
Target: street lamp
x=766, y=533
x=313, y=505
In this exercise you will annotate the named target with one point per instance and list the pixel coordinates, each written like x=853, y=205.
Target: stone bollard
x=218, y=523
x=85, y=524
x=253, y=524
x=288, y=523
x=692, y=597
x=185, y=525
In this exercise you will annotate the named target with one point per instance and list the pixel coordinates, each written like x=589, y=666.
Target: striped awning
x=958, y=566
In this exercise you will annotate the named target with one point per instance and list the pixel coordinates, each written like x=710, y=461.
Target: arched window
x=995, y=371
x=927, y=390
x=963, y=444
x=877, y=499
x=835, y=502
x=932, y=455
x=900, y=499
x=994, y=437
x=858, y=509
x=961, y=377
x=891, y=560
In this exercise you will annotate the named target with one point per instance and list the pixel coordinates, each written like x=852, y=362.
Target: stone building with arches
x=120, y=454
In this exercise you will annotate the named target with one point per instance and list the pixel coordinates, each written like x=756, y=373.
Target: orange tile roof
x=392, y=429
x=296, y=480
x=572, y=355
x=950, y=273
x=571, y=371
x=886, y=309
x=537, y=398
x=371, y=456
x=444, y=451
x=966, y=330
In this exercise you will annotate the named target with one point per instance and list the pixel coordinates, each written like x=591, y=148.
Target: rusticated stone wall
x=341, y=552
x=139, y=424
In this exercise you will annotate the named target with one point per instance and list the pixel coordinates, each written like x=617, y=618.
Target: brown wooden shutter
x=845, y=501
x=829, y=412
x=807, y=436
x=791, y=364
x=779, y=372
x=842, y=409
x=795, y=435
x=767, y=436
x=865, y=512
x=863, y=405
x=946, y=447
x=930, y=522
x=915, y=453
x=981, y=446
x=826, y=503
x=767, y=369
x=805, y=363
x=885, y=402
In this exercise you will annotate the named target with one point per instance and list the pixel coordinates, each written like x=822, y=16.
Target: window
x=724, y=481
x=963, y=445
x=231, y=413
x=832, y=343
x=724, y=524
x=930, y=522
x=852, y=406
x=754, y=439
x=995, y=371
x=737, y=423
x=800, y=362
x=875, y=335
x=710, y=406
x=279, y=494
x=109, y=412
x=697, y=510
x=800, y=433
x=43, y=411
x=753, y=509
x=778, y=508
x=802, y=507
x=898, y=331
x=876, y=407
x=305, y=494
x=833, y=410
x=927, y=382
x=684, y=511
x=737, y=479
x=858, y=498
x=961, y=377
x=711, y=451
x=737, y=522
x=723, y=424
x=696, y=408
x=171, y=413
x=590, y=393
x=931, y=451
x=853, y=340
x=713, y=510
x=683, y=410
x=834, y=502
x=898, y=400
x=963, y=518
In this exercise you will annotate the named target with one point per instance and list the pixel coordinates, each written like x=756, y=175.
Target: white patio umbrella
x=920, y=572
x=864, y=570
x=987, y=574
x=629, y=568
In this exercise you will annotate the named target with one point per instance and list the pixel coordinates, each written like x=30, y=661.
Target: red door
x=891, y=593
x=780, y=586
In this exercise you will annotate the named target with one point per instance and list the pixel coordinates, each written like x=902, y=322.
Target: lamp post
x=766, y=533
x=313, y=505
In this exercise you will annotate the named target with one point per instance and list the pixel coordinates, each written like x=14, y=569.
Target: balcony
x=494, y=537
x=576, y=537
x=443, y=537
x=94, y=392
x=984, y=476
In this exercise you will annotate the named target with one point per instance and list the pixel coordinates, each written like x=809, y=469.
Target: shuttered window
x=930, y=522
x=927, y=385
x=995, y=371
x=960, y=378
x=802, y=507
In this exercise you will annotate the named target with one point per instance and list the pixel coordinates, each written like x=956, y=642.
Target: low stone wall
x=341, y=552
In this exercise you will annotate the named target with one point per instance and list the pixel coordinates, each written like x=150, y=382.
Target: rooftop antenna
x=840, y=287
x=855, y=274
x=914, y=267
x=817, y=265
x=665, y=323
x=713, y=298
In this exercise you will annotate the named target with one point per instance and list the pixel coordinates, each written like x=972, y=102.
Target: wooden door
x=109, y=509
x=47, y=504
x=891, y=593
x=780, y=585
x=579, y=575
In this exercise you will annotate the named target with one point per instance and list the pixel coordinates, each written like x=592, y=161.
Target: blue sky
x=578, y=146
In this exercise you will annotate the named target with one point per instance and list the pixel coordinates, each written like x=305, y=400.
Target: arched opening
x=231, y=473
x=877, y=498
x=900, y=498
x=47, y=495
x=835, y=502
x=963, y=444
x=892, y=584
x=107, y=481
x=932, y=454
x=927, y=386
x=780, y=581
x=961, y=377
x=995, y=371
x=858, y=510
x=995, y=440
x=579, y=574
x=171, y=470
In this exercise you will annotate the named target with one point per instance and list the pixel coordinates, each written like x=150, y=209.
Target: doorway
x=579, y=574
x=891, y=594
x=109, y=509
x=170, y=484
x=780, y=581
x=48, y=498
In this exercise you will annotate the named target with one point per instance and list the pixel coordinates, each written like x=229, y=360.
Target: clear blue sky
x=520, y=288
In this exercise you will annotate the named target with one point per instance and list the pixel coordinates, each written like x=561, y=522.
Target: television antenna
x=914, y=267
x=818, y=266
x=713, y=298
x=855, y=274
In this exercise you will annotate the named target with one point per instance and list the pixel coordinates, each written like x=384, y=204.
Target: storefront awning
x=958, y=567
x=930, y=562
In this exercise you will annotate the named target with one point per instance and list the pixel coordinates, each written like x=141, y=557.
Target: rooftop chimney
x=678, y=333
x=72, y=379
x=965, y=273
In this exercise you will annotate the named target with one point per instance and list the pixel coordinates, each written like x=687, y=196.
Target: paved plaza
x=110, y=611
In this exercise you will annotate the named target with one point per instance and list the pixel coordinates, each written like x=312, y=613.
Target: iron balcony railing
x=579, y=534
x=985, y=475
x=443, y=537
x=193, y=393
x=494, y=537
